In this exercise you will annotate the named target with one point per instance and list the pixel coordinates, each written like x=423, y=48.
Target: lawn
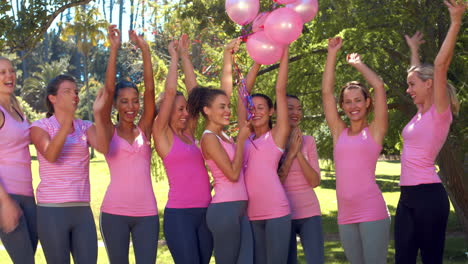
x=387, y=178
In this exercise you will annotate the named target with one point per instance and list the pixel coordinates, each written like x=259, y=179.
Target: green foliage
x=30, y=113
x=94, y=86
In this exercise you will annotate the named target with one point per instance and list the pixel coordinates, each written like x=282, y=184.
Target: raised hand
x=244, y=132
x=353, y=59
x=183, y=46
x=415, y=41
x=233, y=45
x=456, y=9
x=138, y=40
x=99, y=102
x=113, y=34
x=334, y=44
x=173, y=48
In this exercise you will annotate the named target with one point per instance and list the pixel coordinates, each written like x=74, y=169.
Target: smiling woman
x=363, y=218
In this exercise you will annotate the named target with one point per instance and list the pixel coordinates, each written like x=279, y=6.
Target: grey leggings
x=271, y=238
x=310, y=231
x=116, y=230
x=21, y=243
x=232, y=234
x=366, y=242
x=67, y=229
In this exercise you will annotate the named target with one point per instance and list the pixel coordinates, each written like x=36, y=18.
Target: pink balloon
x=262, y=49
x=259, y=21
x=283, y=25
x=285, y=2
x=306, y=8
x=242, y=11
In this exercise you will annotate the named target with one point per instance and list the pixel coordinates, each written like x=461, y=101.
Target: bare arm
x=444, y=57
x=102, y=106
x=226, y=76
x=280, y=131
x=10, y=212
x=213, y=150
x=187, y=66
x=161, y=123
x=335, y=123
x=51, y=148
x=147, y=117
x=379, y=125
x=413, y=43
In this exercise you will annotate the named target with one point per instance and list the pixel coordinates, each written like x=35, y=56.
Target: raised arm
x=444, y=57
x=280, y=131
x=226, y=76
x=250, y=83
x=413, y=43
x=161, y=123
x=187, y=66
x=102, y=107
x=335, y=123
x=379, y=125
x=147, y=117
x=213, y=150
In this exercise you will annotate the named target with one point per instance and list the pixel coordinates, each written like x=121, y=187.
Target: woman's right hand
x=295, y=141
x=334, y=44
x=456, y=9
x=233, y=45
x=113, y=34
x=10, y=214
x=415, y=41
x=172, y=48
x=244, y=132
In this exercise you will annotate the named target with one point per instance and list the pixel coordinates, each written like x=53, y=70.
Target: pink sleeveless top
x=301, y=195
x=226, y=190
x=130, y=191
x=423, y=137
x=189, y=185
x=267, y=198
x=66, y=179
x=15, y=160
x=359, y=197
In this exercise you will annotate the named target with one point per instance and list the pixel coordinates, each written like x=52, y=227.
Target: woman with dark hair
x=268, y=208
x=363, y=218
x=129, y=206
x=423, y=208
x=65, y=222
x=185, y=229
x=226, y=215
x=18, y=230
x=300, y=172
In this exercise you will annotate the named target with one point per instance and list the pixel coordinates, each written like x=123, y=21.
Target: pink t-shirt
x=15, y=160
x=130, y=191
x=226, y=190
x=302, y=198
x=66, y=179
x=267, y=198
x=423, y=138
x=189, y=185
x=359, y=197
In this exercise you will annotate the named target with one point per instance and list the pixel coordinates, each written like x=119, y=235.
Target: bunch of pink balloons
x=272, y=31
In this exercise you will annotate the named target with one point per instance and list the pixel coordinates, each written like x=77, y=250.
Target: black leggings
x=420, y=223
x=116, y=230
x=21, y=243
x=67, y=229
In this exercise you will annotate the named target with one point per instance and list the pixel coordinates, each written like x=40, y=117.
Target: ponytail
x=200, y=97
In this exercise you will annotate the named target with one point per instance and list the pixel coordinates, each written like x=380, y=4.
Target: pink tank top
x=301, y=195
x=226, y=190
x=423, y=137
x=15, y=160
x=267, y=198
x=130, y=191
x=189, y=185
x=66, y=179
x=359, y=197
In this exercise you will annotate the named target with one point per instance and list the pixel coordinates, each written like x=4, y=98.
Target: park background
x=47, y=38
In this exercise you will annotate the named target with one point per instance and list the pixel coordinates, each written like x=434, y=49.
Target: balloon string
x=243, y=93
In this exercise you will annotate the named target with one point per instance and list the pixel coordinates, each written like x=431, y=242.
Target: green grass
x=387, y=178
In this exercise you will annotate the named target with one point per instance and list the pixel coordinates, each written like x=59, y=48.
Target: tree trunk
x=450, y=161
x=121, y=7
